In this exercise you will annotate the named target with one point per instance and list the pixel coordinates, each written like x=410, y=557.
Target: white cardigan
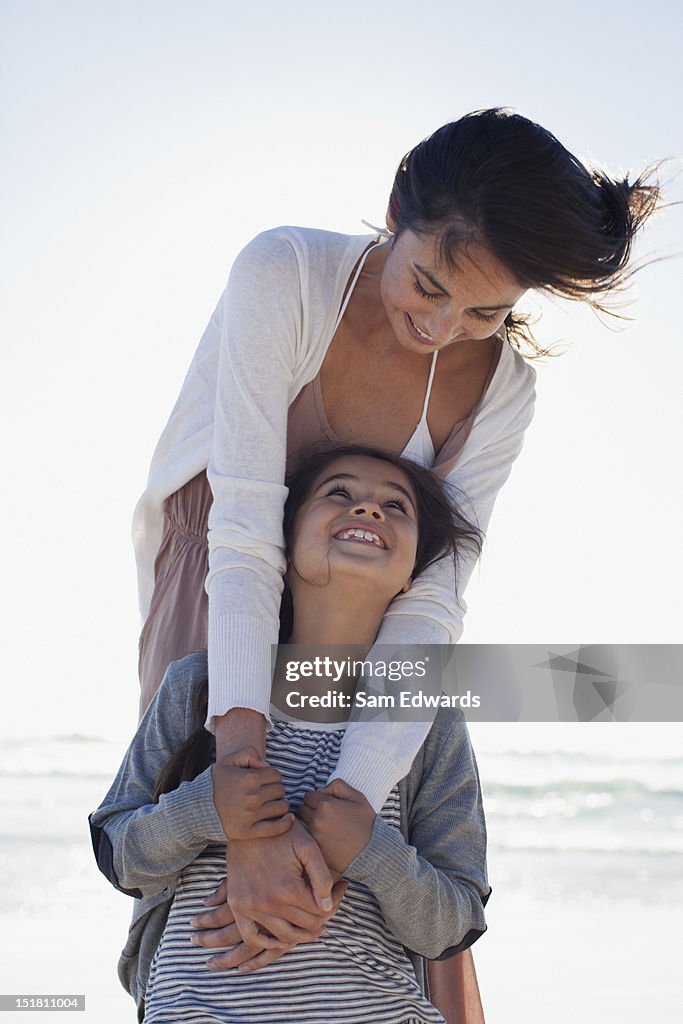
x=266, y=339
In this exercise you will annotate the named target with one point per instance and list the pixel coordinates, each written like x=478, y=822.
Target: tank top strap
x=432, y=371
x=350, y=287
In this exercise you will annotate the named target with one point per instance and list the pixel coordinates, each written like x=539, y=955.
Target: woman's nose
x=447, y=327
x=368, y=508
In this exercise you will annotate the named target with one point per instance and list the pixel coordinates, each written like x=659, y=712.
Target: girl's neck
x=329, y=622
x=339, y=618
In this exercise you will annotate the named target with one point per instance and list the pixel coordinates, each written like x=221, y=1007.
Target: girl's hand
x=249, y=796
x=217, y=930
x=340, y=819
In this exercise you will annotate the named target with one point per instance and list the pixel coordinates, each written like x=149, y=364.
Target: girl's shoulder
x=447, y=741
x=182, y=680
x=187, y=673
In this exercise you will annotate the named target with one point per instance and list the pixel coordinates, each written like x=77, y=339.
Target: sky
x=145, y=143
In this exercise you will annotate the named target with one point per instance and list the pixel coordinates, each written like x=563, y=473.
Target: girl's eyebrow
x=385, y=483
x=473, y=309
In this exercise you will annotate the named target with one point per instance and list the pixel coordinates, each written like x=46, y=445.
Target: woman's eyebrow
x=472, y=309
x=432, y=280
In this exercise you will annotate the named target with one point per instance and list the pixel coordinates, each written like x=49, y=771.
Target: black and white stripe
x=356, y=973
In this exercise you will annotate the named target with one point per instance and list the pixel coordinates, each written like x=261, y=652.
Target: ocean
x=565, y=826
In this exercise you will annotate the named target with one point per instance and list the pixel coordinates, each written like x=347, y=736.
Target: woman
x=321, y=337
x=360, y=528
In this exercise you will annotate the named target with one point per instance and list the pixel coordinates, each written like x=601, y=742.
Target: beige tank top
x=309, y=430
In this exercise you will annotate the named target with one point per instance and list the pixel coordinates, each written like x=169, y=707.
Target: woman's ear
x=406, y=586
x=391, y=223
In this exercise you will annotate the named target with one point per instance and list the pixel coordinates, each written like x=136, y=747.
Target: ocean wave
x=59, y=738
x=37, y=773
x=604, y=845
x=614, y=787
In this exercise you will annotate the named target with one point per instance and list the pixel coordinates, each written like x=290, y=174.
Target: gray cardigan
x=430, y=879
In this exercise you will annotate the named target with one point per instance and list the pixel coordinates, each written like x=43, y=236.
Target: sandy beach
x=535, y=964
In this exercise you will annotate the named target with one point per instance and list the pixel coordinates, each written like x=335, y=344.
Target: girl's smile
x=360, y=521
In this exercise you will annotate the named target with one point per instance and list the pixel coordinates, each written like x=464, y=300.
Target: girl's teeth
x=361, y=535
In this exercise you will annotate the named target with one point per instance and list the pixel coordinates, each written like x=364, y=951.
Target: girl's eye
x=423, y=293
x=398, y=503
x=338, y=489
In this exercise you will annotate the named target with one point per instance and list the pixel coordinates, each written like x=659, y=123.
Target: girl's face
x=430, y=306
x=359, y=521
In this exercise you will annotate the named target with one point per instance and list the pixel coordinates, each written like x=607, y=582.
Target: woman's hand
x=278, y=889
x=217, y=930
x=249, y=796
x=340, y=819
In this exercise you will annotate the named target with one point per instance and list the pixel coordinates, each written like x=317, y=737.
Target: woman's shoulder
x=305, y=241
x=509, y=400
x=306, y=251
x=514, y=371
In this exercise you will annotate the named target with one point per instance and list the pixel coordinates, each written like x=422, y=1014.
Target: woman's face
x=359, y=521
x=430, y=306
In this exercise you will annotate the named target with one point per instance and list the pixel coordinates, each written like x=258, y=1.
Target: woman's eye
x=423, y=293
x=485, y=316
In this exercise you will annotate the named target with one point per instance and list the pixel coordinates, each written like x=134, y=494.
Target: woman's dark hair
x=498, y=179
x=442, y=530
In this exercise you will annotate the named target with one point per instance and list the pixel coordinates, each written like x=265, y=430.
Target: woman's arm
x=261, y=329
x=432, y=890
x=375, y=755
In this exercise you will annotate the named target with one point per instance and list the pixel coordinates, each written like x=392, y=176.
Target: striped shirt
x=356, y=972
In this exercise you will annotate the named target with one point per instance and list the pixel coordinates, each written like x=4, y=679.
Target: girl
x=359, y=527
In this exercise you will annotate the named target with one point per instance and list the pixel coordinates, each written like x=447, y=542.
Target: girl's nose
x=368, y=508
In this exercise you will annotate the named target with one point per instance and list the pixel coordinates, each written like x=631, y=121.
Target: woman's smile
x=431, y=305
x=419, y=335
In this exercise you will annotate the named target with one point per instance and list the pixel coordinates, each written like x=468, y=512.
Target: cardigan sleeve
x=139, y=845
x=375, y=755
x=432, y=890
x=261, y=329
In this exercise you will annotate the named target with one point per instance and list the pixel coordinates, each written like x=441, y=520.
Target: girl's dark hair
x=497, y=178
x=442, y=530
